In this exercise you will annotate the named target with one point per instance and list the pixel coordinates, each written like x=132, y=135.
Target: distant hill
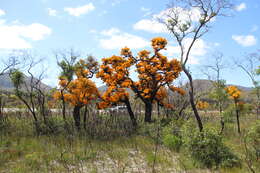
x=206, y=85
x=7, y=85
x=200, y=85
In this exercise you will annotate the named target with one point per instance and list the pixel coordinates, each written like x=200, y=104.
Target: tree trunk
x=222, y=122
x=158, y=109
x=257, y=99
x=148, y=112
x=76, y=116
x=85, y=117
x=192, y=102
x=130, y=112
x=63, y=106
x=237, y=115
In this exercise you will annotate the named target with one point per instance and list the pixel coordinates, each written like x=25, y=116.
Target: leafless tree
x=8, y=64
x=30, y=89
x=183, y=24
x=249, y=64
x=213, y=73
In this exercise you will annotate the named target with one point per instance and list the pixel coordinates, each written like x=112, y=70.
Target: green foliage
x=253, y=140
x=258, y=70
x=208, y=149
x=17, y=78
x=67, y=67
x=172, y=135
x=228, y=114
x=247, y=108
x=219, y=94
x=172, y=141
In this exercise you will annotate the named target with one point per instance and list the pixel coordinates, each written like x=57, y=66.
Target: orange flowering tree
x=67, y=71
x=154, y=71
x=235, y=94
x=80, y=91
x=114, y=71
x=202, y=105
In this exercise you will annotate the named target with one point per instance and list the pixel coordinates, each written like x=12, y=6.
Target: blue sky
x=102, y=27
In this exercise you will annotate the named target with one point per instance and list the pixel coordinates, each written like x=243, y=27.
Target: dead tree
x=183, y=24
x=30, y=89
x=213, y=73
x=249, y=64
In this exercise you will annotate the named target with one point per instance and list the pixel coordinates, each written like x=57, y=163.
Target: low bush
x=252, y=147
x=172, y=141
x=229, y=114
x=208, y=149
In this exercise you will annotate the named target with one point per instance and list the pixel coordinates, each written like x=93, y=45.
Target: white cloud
x=154, y=26
x=52, y=12
x=117, y=39
x=16, y=36
x=245, y=40
x=240, y=7
x=198, y=50
x=78, y=11
x=110, y=32
x=2, y=12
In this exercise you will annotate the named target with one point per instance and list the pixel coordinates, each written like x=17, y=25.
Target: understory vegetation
x=163, y=146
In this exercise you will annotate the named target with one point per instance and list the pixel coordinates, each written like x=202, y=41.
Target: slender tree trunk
x=222, y=122
x=192, y=102
x=148, y=111
x=76, y=116
x=237, y=115
x=258, y=102
x=85, y=117
x=42, y=107
x=158, y=109
x=130, y=112
x=63, y=106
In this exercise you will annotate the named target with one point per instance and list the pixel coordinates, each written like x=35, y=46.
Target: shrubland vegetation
x=164, y=127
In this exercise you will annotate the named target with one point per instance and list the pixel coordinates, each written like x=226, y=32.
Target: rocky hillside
x=6, y=83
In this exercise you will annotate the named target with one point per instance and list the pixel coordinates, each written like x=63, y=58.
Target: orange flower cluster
x=154, y=72
x=79, y=91
x=159, y=43
x=63, y=82
x=112, y=96
x=126, y=52
x=202, y=105
x=233, y=92
x=56, y=95
x=114, y=71
x=161, y=96
x=178, y=90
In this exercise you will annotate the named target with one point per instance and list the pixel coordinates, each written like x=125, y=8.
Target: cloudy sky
x=102, y=27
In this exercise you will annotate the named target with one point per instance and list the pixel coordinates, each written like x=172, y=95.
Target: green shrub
x=172, y=141
x=208, y=149
x=252, y=140
x=229, y=114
